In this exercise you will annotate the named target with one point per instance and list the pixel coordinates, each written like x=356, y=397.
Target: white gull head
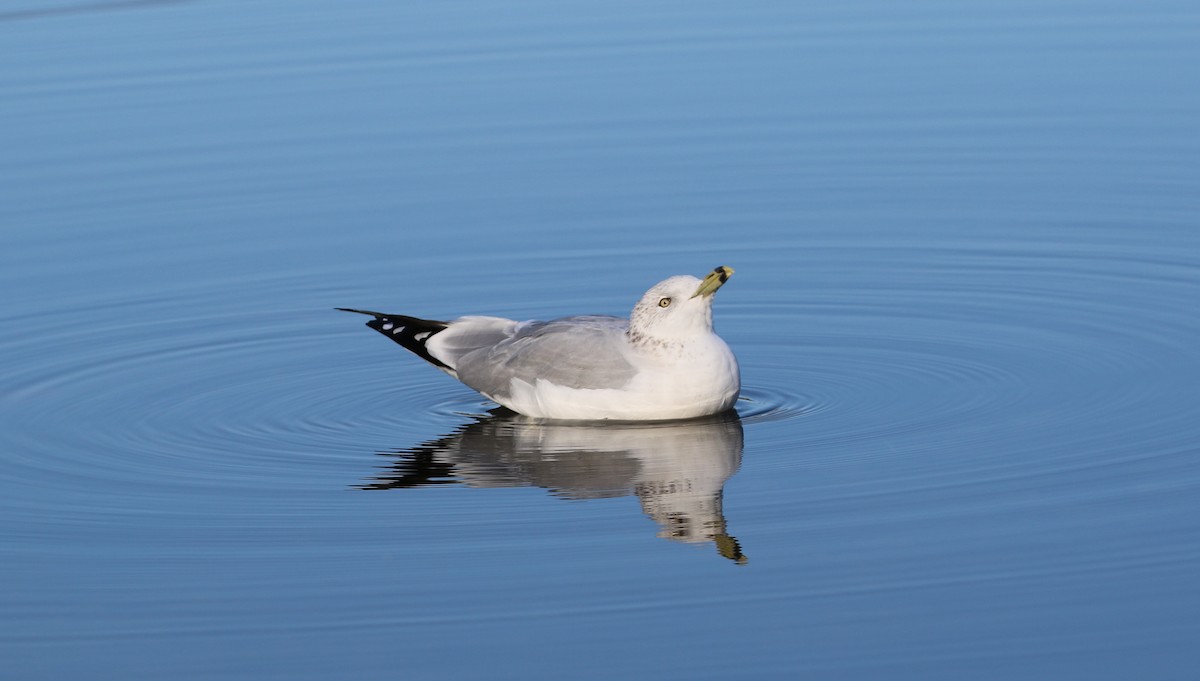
x=676, y=309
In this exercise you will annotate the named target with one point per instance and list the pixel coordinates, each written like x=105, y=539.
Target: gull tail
x=410, y=332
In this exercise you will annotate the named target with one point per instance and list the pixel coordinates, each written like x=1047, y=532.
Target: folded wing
x=576, y=352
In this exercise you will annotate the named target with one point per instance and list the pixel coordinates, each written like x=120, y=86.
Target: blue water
x=968, y=266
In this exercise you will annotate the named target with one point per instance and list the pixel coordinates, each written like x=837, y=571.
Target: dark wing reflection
x=677, y=470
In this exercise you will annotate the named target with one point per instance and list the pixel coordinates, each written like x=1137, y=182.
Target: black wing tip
x=405, y=330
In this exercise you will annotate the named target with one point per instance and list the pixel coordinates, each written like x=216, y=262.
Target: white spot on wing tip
x=388, y=326
x=421, y=336
x=398, y=329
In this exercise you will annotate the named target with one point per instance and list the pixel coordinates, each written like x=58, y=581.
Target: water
x=965, y=308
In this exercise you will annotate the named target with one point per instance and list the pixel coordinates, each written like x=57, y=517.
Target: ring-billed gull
x=664, y=362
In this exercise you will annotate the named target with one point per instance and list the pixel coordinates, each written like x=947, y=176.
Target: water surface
x=965, y=309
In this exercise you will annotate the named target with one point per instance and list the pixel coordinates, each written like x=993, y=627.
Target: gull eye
x=664, y=302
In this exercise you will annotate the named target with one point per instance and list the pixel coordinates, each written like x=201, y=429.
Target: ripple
x=978, y=369
x=173, y=395
x=966, y=325
x=873, y=364
x=768, y=403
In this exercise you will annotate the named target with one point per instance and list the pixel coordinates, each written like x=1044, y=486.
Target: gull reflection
x=676, y=470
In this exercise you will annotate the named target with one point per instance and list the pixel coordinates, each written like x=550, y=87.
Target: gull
x=664, y=362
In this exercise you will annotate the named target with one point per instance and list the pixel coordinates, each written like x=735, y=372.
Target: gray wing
x=577, y=352
x=466, y=335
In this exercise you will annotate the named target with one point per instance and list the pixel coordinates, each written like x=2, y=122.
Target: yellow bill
x=713, y=281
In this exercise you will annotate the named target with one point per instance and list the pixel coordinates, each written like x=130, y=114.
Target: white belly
x=701, y=384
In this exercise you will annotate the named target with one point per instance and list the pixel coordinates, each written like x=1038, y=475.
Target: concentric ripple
x=979, y=360
x=965, y=309
x=230, y=400
x=961, y=384
x=954, y=383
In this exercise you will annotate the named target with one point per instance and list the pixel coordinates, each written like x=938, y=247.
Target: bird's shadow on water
x=677, y=470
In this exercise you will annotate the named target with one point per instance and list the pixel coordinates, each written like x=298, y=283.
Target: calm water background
x=966, y=310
